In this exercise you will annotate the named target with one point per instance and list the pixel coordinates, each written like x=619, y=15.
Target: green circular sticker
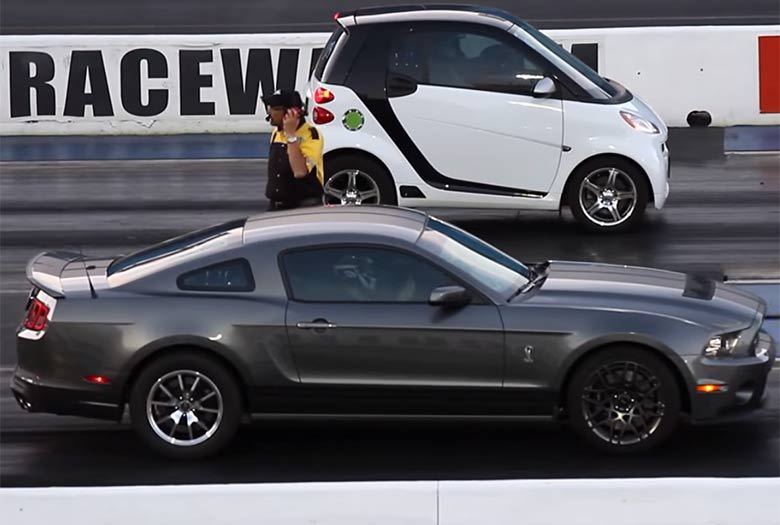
x=353, y=119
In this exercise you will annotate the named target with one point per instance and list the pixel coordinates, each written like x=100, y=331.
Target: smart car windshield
x=490, y=266
x=581, y=67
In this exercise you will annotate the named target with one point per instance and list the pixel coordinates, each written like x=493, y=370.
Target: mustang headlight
x=722, y=345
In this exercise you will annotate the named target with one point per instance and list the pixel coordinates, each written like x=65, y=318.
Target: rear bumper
x=745, y=379
x=33, y=395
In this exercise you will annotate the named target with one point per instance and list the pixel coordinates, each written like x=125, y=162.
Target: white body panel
x=597, y=129
x=512, y=141
x=588, y=129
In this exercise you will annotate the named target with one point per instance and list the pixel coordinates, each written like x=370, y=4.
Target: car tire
x=369, y=175
x=592, y=195
x=623, y=400
x=216, y=404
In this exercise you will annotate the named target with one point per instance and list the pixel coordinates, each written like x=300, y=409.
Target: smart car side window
x=466, y=58
x=360, y=275
x=229, y=276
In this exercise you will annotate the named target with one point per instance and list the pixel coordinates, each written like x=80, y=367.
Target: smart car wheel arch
x=604, y=159
x=682, y=384
x=364, y=165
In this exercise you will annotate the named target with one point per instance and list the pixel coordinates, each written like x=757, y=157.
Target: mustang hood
x=689, y=297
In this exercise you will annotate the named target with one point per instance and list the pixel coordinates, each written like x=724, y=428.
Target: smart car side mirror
x=545, y=88
x=450, y=296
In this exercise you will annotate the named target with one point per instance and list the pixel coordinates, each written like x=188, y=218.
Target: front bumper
x=745, y=379
x=661, y=188
x=33, y=395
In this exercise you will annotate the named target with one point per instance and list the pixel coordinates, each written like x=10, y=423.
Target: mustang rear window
x=171, y=246
x=228, y=276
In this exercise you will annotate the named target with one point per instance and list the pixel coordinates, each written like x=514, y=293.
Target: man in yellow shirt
x=295, y=166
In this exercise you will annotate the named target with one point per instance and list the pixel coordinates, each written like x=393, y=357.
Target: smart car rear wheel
x=353, y=179
x=623, y=400
x=185, y=406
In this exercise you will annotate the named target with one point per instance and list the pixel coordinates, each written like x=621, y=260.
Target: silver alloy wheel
x=622, y=404
x=184, y=408
x=608, y=196
x=351, y=187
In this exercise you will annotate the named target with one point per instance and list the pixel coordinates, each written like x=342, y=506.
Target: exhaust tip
x=22, y=402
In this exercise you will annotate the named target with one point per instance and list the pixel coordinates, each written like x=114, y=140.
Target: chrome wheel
x=351, y=187
x=622, y=404
x=184, y=408
x=608, y=196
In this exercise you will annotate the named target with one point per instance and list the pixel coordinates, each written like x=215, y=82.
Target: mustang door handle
x=316, y=325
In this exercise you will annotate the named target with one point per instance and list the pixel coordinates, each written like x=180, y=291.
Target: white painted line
x=756, y=153
x=771, y=280
x=16, y=290
x=642, y=501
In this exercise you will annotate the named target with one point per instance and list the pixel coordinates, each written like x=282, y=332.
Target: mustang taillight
x=323, y=95
x=37, y=316
x=322, y=115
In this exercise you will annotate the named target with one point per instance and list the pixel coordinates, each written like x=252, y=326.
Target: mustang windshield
x=490, y=266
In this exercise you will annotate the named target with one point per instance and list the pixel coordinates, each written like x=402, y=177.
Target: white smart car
x=460, y=106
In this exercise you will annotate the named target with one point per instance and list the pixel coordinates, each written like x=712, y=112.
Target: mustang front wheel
x=623, y=400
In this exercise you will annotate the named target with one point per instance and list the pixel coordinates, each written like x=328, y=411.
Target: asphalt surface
x=249, y=16
x=723, y=217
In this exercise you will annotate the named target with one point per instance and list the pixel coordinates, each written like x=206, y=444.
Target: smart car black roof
x=408, y=8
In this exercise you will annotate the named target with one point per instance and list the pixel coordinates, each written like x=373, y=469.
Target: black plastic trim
x=411, y=192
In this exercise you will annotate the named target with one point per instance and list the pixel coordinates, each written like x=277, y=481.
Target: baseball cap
x=285, y=98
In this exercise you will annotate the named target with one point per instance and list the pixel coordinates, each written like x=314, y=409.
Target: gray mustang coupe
x=379, y=311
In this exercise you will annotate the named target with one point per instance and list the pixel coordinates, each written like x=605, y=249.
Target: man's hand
x=290, y=121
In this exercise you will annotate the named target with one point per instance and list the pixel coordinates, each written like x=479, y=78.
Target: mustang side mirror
x=450, y=296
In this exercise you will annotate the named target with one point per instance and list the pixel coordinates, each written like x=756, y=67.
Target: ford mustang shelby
x=379, y=310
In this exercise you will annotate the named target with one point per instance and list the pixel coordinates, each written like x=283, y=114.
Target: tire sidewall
x=216, y=372
x=573, y=195
x=383, y=180
x=670, y=392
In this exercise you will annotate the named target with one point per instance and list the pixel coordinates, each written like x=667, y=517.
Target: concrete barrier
x=689, y=501
x=171, y=84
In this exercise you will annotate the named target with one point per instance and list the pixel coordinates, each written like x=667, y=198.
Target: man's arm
x=294, y=152
x=297, y=160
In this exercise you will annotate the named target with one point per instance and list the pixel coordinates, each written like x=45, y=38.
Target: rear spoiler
x=44, y=271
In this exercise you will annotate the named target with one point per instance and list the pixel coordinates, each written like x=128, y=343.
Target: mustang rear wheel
x=185, y=405
x=623, y=400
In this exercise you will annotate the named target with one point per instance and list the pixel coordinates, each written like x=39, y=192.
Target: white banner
x=166, y=84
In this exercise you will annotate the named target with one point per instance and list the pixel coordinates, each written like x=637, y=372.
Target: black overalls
x=283, y=189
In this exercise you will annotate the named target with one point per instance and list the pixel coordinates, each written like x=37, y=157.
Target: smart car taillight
x=37, y=316
x=323, y=95
x=322, y=115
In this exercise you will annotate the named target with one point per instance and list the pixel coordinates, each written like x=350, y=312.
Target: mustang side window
x=364, y=275
x=228, y=276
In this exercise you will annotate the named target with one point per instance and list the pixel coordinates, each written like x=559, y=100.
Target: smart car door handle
x=316, y=325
